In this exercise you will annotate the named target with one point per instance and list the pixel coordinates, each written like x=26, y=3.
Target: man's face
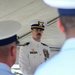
x=37, y=33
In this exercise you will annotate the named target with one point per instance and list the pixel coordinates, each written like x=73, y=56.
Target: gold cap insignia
x=40, y=23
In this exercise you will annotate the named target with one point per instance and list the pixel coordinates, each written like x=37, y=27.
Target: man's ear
x=60, y=26
x=12, y=51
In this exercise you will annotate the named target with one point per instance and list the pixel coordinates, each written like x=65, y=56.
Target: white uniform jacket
x=32, y=55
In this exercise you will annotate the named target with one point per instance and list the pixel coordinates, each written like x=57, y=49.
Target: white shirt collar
x=35, y=42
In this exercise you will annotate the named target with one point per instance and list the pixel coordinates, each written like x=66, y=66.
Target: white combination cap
x=66, y=4
x=8, y=31
x=38, y=24
x=65, y=7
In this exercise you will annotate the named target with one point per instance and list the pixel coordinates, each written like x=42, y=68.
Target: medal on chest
x=46, y=54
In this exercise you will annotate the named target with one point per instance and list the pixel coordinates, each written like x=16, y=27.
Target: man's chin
x=39, y=37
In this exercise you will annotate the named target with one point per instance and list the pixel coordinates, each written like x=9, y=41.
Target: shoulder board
x=27, y=43
x=44, y=44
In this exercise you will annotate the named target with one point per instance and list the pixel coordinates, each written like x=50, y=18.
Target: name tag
x=35, y=52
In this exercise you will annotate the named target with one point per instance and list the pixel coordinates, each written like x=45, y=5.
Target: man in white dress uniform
x=34, y=53
x=64, y=62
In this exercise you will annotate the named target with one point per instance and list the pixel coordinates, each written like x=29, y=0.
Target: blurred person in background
x=8, y=45
x=64, y=62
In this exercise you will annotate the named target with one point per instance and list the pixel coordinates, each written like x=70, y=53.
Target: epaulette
x=27, y=43
x=44, y=44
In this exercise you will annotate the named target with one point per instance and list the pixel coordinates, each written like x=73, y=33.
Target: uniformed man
x=8, y=45
x=34, y=53
x=64, y=62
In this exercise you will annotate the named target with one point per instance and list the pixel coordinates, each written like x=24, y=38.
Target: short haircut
x=68, y=22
